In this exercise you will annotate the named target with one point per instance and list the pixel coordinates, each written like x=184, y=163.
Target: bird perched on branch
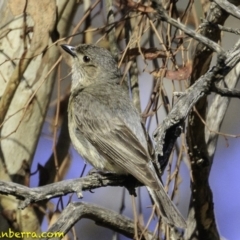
x=105, y=127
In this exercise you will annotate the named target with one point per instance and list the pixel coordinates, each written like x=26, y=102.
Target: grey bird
x=105, y=127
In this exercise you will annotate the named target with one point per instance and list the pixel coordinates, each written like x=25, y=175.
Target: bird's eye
x=86, y=59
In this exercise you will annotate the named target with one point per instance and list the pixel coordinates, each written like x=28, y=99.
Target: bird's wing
x=106, y=129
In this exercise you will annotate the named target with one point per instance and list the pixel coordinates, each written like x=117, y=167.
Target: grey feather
x=106, y=128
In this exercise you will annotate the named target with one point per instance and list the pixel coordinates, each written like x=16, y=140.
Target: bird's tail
x=168, y=210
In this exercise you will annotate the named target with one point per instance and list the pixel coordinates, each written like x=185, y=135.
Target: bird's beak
x=69, y=49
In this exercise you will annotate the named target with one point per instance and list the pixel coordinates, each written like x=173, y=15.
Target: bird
x=105, y=127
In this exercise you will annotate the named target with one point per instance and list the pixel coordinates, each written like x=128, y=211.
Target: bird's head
x=92, y=64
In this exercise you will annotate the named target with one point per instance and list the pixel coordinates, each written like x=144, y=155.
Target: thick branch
x=225, y=92
x=95, y=180
x=228, y=7
x=189, y=98
x=201, y=214
x=102, y=216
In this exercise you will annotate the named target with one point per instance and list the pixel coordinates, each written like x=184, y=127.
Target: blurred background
x=224, y=176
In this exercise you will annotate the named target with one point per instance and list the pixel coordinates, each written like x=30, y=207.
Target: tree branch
x=95, y=180
x=189, y=98
x=226, y=92
x=162, y=14
x=228, y=7
x=103, y=217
